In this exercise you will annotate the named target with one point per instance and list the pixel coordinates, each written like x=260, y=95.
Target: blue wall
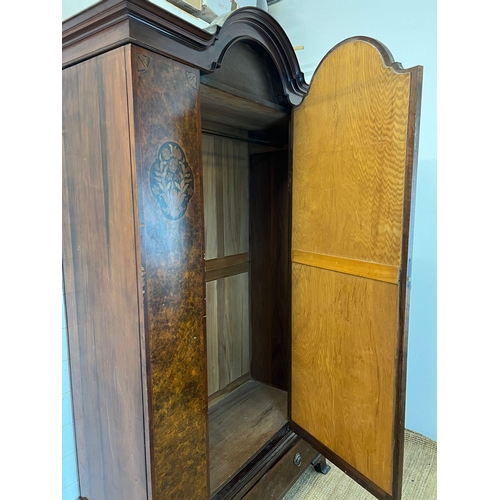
x=70, y=488
x=408, y=29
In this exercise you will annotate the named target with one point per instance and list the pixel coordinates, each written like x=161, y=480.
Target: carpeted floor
x=419, y=477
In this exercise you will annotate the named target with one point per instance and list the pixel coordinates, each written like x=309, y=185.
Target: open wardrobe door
x=354, y=153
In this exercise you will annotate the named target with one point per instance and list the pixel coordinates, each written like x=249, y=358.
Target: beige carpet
x=419, y=477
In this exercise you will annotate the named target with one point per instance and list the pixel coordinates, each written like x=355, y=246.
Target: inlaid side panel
x=101, y=283
x=168, y=163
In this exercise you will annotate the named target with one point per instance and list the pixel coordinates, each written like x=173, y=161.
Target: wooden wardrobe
x=236, y=255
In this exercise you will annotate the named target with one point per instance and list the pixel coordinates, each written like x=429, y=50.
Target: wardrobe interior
x=247, y=202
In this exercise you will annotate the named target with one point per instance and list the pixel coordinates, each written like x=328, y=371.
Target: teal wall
x=72, y=7
x=408, y=29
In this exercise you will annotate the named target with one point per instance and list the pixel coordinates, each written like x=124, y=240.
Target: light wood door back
x=354, y=140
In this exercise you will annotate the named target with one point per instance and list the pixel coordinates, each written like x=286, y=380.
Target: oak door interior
x=247, y=258
x=353, y=145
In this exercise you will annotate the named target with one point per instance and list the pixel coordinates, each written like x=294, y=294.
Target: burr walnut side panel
x=101, y=281
x=169, y=178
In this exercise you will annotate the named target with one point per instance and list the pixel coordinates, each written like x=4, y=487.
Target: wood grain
x=219, y=129
x=357, y=113
x=217, y=336
x=111, y=23
x=226, y=266
x=218, y=396
x=228, y=331
x=406, y=259
x=223, y=107
x=356, y=132
x=172, y=258
x=231, y=260
x=270, y=268
x=226, y=271
x=283, y=474
x=225, y=165
x=234, y=356
x=100, y=280
x=249, y=71
x=343, y=368
x=254, y=470
x=239, y=302
x=372, y=270
x=344, y=466
x=212, y=343
x=240, y=425
x=225, y=170
x=209, y=197
x=235, y=196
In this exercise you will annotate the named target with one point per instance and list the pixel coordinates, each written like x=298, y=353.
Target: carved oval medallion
x=171, y=180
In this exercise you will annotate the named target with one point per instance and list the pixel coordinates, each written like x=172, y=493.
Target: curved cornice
x=112, y=23
x=256, y=25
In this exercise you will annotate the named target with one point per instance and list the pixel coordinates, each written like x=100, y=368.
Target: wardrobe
x=236, y=255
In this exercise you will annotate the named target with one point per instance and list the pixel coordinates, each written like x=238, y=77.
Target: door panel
x=350, y=343
x=353, y=152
